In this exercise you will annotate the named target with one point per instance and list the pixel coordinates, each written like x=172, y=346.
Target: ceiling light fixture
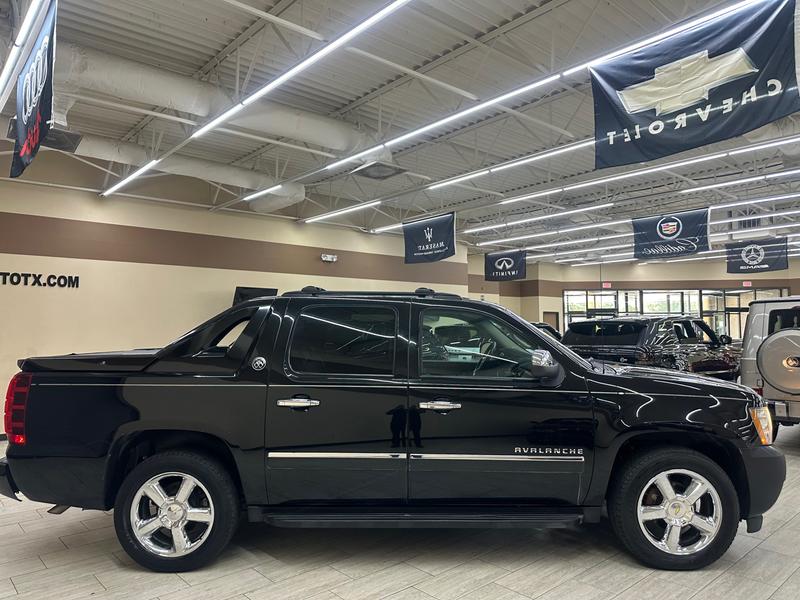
x=129, y=178
x=554, y=232
x=580, y=241
x=342, y=211
x=539, y=218
x=22, y=36
x=280, y=80
x=714, y=186
x=603, y=262
x=255, y=195
x=660, y=36
x=755, y=201
x=436, y=186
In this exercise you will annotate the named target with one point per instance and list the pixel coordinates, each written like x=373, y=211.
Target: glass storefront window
x=725, y=311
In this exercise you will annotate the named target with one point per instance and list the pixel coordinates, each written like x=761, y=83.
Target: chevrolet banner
x=505, y=266
x=35, y=96
x=429, y=240
x=671, y=236
x=758, y=256
x=714, y=81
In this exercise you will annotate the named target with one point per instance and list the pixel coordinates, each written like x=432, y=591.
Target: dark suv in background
x=684, y=343
x=345, y=409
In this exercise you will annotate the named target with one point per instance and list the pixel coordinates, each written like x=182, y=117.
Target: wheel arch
x=720, y=450
x=131, y=449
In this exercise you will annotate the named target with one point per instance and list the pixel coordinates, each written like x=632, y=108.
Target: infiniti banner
x=431, y=239
x=35, y=96
x=505, y=266
x=714, y=81
x=756, y=256
x=669, y=236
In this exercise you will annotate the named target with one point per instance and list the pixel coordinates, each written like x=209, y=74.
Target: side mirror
x=543, y=366
x=725, y=339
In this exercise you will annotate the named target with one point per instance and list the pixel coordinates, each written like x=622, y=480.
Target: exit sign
x=606, y=285
x=747, y=284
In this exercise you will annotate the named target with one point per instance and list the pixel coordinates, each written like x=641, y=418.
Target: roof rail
x=421, y=292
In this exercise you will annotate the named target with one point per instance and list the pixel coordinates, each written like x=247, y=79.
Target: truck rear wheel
x=674, y=508
x=176, y=511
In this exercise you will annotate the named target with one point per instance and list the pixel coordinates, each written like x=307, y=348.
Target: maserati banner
x=505, y=266
x=431, y=239
x=669, y=236
x=712, y=82
x=758, y=256
x=35, y=96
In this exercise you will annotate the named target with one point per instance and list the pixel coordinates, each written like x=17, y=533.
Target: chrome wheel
x=172, y=514
x=679, y=512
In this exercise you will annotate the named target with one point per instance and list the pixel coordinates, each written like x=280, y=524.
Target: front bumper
x=765, y=468
x=7, y=486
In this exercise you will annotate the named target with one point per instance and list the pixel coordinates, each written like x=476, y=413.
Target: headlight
x=762, y=419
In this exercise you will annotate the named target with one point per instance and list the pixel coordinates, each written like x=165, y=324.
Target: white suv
x=771, y=355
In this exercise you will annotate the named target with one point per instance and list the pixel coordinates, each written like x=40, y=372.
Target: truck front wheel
x=176, y=511
x=674, y=508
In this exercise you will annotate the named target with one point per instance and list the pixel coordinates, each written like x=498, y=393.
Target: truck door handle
x=298, y=403
x=440, y=405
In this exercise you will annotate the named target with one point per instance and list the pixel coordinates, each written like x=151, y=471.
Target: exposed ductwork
x=93, y=146
x=79, y=68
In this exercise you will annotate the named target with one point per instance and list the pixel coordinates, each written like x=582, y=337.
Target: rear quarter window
x=588, y=333
x=344, y=340
x=785, y=318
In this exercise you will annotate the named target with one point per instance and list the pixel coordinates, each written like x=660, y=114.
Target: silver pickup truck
x=771, y=355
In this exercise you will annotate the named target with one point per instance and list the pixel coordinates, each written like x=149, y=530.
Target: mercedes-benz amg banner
x=756, y=256
x=709, y=83
x=431, y=239
x=35, y=96
x=668, y=236
x=505, y=266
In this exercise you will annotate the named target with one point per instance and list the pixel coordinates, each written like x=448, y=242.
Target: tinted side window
x=357, y=339
x=466, y=343
x=784, y=319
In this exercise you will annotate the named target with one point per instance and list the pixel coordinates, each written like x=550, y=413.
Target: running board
x=414, y=519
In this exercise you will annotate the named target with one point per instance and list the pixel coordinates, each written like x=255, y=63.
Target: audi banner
x=505, y=266
x=714, y=81
x=35, y=96
x=670, y=236
x=758, y=256
x=429, y=240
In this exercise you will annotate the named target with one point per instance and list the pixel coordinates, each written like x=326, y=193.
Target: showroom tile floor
x=76, y=555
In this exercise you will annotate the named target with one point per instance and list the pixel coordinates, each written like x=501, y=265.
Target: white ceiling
x=482, y=48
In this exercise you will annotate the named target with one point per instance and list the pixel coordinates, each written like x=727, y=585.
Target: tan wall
x=149, y=272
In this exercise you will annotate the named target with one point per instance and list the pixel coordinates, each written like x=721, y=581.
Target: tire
x=207, y=519
x=649, y=541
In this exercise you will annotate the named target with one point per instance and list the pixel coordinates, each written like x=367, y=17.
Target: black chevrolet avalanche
x=415, y=409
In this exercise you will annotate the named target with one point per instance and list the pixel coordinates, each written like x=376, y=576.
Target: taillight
x=16, y=401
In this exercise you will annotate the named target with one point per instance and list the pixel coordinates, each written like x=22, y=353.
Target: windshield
x=599, y=333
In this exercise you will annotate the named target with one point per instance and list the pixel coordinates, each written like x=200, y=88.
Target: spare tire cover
x=777, y=359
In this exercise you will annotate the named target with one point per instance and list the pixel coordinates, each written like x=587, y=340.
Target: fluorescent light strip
x=539, y=218
x=280, y=80
x=130, y=178
x=713, y=186
x=554, y=232
x=580, y=251
x=531, y=196
x=791, y=140
x=603, y=262
x=22, y=37
x=659, y=37
x=343, y=211
x=455, y=180
x=399, y=225
x=325, y=50
x=724, y=234
x=541, y=156
x=580, y=241
x=785, y=213
x=755, y=201
x=258, y=194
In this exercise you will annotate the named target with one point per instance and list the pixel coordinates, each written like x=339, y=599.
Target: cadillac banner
x=431, y=239
x=757, y=256
x=670, y=236
x=714, y=81
x=505, y=266
x=35, y=96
